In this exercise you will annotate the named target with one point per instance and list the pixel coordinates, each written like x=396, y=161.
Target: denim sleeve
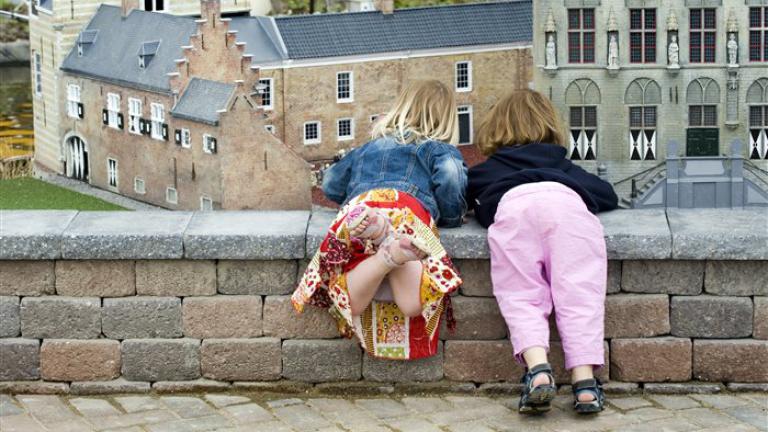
x=336, y=178
x=449, y=177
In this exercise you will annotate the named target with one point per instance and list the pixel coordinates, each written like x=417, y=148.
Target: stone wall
x=107, y=302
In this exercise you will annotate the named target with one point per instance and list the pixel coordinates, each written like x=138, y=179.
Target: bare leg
x=363, y=281
x=406, y=283
x=536, y=356
x=581, y=373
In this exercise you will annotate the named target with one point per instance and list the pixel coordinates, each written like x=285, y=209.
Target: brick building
x=319, y=82
x=629, y=76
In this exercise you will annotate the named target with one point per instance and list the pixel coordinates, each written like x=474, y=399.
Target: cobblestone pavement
x=254, y=413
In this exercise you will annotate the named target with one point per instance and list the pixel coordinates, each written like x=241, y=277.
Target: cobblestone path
x=254, y=413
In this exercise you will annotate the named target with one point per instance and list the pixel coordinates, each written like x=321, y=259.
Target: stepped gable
x=358, y=33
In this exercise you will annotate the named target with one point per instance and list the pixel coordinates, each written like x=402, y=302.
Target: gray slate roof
x=202, y=99
x=114, y=54
x=329, y=35
x=260, y=37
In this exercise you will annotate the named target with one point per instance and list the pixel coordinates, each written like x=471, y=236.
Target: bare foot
x=403, y=250
x=541, y=379
x=372, y=227
x=586, y=397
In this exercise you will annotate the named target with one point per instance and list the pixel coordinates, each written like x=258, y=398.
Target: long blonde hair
x=425, y=110
x=521, y=117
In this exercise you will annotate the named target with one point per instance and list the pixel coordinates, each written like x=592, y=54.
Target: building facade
x=54, y=25
x=630, y=76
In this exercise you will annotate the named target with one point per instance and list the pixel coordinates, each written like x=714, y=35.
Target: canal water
x=16, y=128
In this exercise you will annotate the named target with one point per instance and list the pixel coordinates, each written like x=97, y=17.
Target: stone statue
x=613, y=53
x=673, y=53
x=733, y=50
x=551, y=60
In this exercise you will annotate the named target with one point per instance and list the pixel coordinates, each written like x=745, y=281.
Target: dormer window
x=147, y=52
x=85, y=40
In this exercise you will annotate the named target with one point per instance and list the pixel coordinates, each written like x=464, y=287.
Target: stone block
x=26, y=278
x=33, y=387
x=260, y=277
x=117, y=235
x=470, y=241
x=141, y=317
x=718, y=234
x=57, y=317
x=421, y=370
x=322, y=360
x=20, y=359
x=79, y=360
x=241, y=359
x=651, y=360
x=736, y=278
x=317, y=228
x=562, y=375
x=740, y=360
x=95, y=278
x=476, y=275
x=222, y=317
x=33, y=234
x=9, y=316
x=760, y=320
x=246, y=235
x=711, y=316
x=636, y=315
x=614, y=277
x=481, y=361
x=161, y=359
x=662, y=277
x=636, y=234
x=687, y=388
x=477, y=318
x=175, y=278
x=282, y=321
x=116, y=386
x=200, y=385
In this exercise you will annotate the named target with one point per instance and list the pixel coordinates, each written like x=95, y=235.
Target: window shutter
x=80, y=110
x=120, y=121
x=142, y=126
x=104, y=117
x=177, y=136
x=165, y=131
x=214, y=145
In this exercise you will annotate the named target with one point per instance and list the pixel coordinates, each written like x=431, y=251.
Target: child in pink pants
x=547, y=246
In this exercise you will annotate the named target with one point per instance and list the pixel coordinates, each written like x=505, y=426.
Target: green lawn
x=31, y=194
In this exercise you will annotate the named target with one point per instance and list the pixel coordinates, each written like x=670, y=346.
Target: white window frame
x=462, y=109
x=351, y=97
x=113, y=110
x=112, y=176
x=73, y=100
x=270, y=93
x=171, y=190
x=313, y=141
x=186, y=138
x=270, y=128
x=134, y=114
x=203, y=200
x=468, y=87
x=351, y=135
x=37, y=71
x=157, y=112
x=206, y=143
x=139, y=190
x=154, y=6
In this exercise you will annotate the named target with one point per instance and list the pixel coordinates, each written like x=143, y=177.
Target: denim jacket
x=432, y=171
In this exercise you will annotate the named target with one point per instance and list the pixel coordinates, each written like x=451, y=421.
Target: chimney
x=210, y=10
x=385, y=6
x=127, y=6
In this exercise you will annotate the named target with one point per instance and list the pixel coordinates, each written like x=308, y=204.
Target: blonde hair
x=521, y=117
x=425, y=110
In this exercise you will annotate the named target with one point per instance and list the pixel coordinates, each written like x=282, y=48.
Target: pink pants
x=548, y=249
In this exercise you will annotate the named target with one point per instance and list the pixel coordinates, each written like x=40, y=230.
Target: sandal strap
x=591, y=384
x=539, y=368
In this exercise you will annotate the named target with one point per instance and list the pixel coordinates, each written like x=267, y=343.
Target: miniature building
x=630, y=76
x=160, y=108
x=320, y=82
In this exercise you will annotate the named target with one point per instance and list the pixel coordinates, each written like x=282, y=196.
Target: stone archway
x=77, y=162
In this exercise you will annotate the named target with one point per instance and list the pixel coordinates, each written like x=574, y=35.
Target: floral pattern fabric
x=383, y=330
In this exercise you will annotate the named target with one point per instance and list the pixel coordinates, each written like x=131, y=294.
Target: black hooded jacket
x=514, y=166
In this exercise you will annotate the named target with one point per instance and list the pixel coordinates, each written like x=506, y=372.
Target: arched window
x=702, y=97
x=582, y=97
x=643, y=96
x=757, y=99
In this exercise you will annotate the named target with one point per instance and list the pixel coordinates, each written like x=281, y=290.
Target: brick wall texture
x=165, y=322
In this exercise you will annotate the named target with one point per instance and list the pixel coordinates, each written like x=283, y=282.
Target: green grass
x=31, y=194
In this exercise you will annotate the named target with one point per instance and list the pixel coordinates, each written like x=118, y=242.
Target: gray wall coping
x=266, y=235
